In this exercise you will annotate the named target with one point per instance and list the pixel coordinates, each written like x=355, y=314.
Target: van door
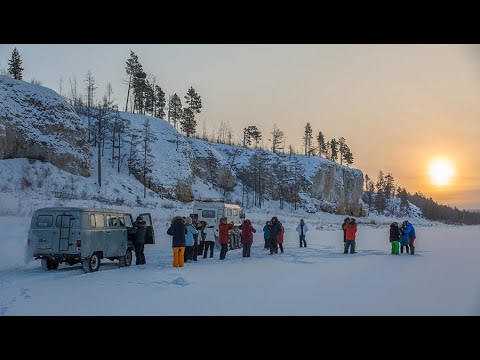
x=42, y=233
x=65, y=223
x=116, y=237
x=149, y=233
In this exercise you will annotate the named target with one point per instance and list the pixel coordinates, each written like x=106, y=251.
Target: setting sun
x=441, y=172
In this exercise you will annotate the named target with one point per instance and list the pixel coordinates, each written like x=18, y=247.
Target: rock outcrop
x=37, y=123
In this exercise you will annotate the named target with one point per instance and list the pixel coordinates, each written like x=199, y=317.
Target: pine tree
x=389, y=186
x=256, y=135
x=140, y=92
x=347, y=155
x=160, y=102
x=277, y=138
x=194, y=104
x=380, y=200
x=341, y=148
x=15, y=65
x=149, y=97
x=175, y=109
x=307, y=139
x=322, y=148
x=370, y=189
x=133, y=67
x=187, y=122
x=246, y=137
x=249, y=133
x=403, y=195
x=333, y=150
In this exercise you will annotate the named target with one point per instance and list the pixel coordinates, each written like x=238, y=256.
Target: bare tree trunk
x=99, y=160
x=128, y=92
x=119, y=137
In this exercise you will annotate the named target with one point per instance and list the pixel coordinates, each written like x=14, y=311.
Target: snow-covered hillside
x=37, y=123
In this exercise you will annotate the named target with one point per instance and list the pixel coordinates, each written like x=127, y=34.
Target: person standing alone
x=247, y=236
x=139, y=241
x=302, y=228
x=350, y=235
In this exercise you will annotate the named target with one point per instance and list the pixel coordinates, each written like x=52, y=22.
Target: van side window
x=114, y=221
x=128, y=220
x=92, y=220
x=99, y=220
x=44, y=221
x=208, y=214
x=235, y=212
x=121, y=219
x=229, y=212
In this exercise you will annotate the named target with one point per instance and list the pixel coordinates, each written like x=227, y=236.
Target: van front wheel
x=48, y=264
x=92, y=263
x=126, y=260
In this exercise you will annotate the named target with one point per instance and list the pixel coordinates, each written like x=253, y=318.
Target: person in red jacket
x=280, y=237
x=223, y=230
x=247, y=236
x=350, y=229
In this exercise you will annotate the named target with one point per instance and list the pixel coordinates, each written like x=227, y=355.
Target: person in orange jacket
x=223, y=230
x=350, y=231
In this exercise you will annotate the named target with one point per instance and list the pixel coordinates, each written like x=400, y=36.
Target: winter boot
x=412, y=250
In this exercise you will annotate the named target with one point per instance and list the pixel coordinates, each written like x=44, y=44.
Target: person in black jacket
x=139, y=243
x=395, y=234
x=177, y=229
x=345, y=222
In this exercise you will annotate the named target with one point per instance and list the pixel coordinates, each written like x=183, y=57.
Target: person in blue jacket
x=409, y=233
x=266, y=234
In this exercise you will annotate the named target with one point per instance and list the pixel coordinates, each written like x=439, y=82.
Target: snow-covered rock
x=37, y=123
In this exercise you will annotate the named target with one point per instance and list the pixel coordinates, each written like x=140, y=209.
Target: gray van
x=77, y=235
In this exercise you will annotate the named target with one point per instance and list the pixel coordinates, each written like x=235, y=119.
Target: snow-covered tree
x=307, y=139
x=15, y=68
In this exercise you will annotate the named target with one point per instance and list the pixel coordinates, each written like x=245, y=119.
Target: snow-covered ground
x=440, y=279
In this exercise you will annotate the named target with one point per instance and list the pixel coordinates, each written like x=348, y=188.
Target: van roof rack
x=211, y=200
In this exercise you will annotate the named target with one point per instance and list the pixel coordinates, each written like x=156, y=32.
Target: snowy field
x=440, y=279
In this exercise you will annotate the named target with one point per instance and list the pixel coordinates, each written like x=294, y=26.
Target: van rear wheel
x=48, y=264
x=92, y=263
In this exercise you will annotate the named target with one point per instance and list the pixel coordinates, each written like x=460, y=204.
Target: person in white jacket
x=302, y=229
x=211, y=236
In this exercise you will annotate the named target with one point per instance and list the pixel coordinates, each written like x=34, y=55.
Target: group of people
x=402, y=236
x=191, y=238
x=273, y=231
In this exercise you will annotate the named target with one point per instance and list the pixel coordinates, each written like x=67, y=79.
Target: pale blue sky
x=398, y=106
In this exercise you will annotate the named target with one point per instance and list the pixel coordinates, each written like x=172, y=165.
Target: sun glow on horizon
x=441, y=172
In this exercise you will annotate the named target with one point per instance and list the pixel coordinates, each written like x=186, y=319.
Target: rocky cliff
x=37, y=123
